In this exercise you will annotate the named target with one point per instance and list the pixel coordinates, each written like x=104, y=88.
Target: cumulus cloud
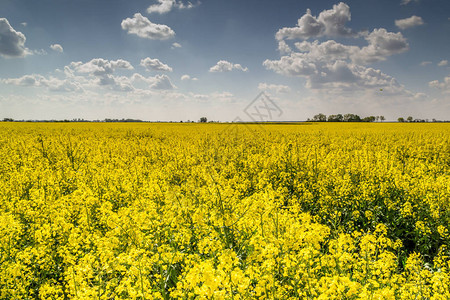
x=412, y=21
x=331, y=65
x=155, y=65
x=226, y=66
x=274, y=87
x=101, y=73
x=329, y=23
x=144, y=28
x=188, y=77
x=443, y=63
x=283, y=47
x=337, y=74
x=100, y=66
x=12, y=42
x=57, y=48
x=165, y=6
x=381, y=45
x=94, y=76
x=444, y=85
x=52, y=83
x=158, y=82
x=176, y=45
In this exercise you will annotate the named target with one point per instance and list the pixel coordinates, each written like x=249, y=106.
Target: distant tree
x=203, y=120
x=382, y=118
x=369, y=119
x=320, y=118
x=8, y=120
x=401, y=120
x=352, y=118
x=410, y=119
x=335, y=118
x=377, y=118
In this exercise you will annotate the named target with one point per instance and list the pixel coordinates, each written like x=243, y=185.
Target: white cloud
x=158, y=82
x=443, y=63
x=425, y=63
x=333, y=66
x=381, y=45
x=296, y=64
x=12, y=42
x=52, y=83
x=155, y=65
x=187, y=77
x=226, y=66
x=162, y=82
x=274, y=87
x=100, y=66
x=57, y=48
x=283, y=47
x=332, y=74
x=100, y=72
x=24, y=24
x=27, y=80
x=176, y=45
x=144, y=28
x=444, y=85
x=165, y=6
x=412, y=21
x=328, y=23
x=39, y=52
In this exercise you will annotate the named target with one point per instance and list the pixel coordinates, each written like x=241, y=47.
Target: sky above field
x=178, y=60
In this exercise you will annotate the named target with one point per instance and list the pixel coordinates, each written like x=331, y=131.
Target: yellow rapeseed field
x=222, y=211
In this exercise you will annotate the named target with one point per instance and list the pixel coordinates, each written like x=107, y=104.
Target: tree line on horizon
x=355, y=118
x=345, y=118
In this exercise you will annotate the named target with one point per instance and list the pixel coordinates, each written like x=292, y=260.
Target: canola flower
x=216, y=211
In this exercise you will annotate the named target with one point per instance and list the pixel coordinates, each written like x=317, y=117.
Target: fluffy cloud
x=165, y=6
x=155, y=65
x=94, y=76
x=52, y=83
x=158, y=82
x=187, y=77
x=12, y=42
x=100, y=66
x=328, y=23
x=176, y=45
x=100, y=72
x=334, y=74
x=226, y=66
x=444, y=85
x=274, y=87
x=333, y=67
x=443, y=63
x=295, y=64
x=409, y=22
x=142, y=27
x=27, y=80
x=283, y=47
x=57, y=48
x=381, y=45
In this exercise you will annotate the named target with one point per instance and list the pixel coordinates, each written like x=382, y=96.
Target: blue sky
x=179, y=60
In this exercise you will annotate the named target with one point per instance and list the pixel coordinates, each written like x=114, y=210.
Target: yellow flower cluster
x=221, y=211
